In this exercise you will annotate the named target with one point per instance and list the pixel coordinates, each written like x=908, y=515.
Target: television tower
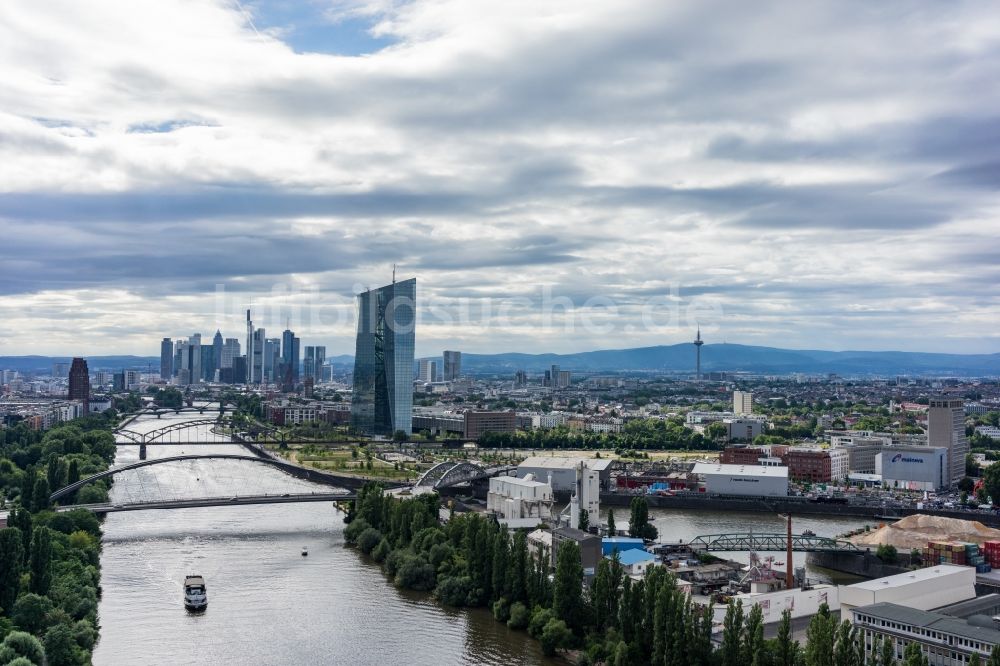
x=698, y=342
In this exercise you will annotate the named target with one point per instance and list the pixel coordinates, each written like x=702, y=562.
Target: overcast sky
x=558, y=176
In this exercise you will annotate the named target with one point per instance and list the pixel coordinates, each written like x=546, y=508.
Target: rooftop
x=560, y=462
x=911, y=577
x=931, y=620
x=633, y=556
x=746, y=470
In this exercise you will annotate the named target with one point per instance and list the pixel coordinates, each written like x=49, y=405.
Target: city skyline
x=724, y=159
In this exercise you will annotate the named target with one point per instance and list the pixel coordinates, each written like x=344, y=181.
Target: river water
x=270, y=605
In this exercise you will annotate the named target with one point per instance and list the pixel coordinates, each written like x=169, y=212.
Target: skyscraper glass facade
x=382, y=402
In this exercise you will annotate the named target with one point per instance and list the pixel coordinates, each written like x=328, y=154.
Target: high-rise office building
x=230, y=350
x=742, y=402
x=427, y=371
x=946, y=427
x=191, y=359
x=452, y=365
x=319, y=361
x=166, y=359
x=250, y=376
x=239, y=373
x=258, y=339
x=382, y=401
x=290, y=358
x=60, y=369
x=79, y=383
x=309, y=362
x=272, y=360
x=217, y=347
x=207, y=363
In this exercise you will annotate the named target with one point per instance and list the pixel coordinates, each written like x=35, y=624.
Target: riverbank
x=788, y=505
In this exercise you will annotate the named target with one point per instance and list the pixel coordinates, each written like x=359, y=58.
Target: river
x=270, y=605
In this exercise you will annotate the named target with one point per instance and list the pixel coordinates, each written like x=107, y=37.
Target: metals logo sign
x=899, y=458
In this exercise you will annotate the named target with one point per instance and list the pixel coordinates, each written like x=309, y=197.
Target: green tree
x=556, y=635
x=611, y=523
x=73, y=475
x=914, y=655
x=991, y=481
x=845, y=651
x=787, y=650
x=732, y=628
x=975, y=660
x=568, y=585
x=994, y=659
x=584, y=520
x=40, y=495
x=820, y=638
x=886, y=652
x=399, y=436
x=11, y=563
x=30, y=611
x=41, y=560
x=60, y=646
x=21, y=644
x=753, y=636
x=639, y=520
x=20, y=518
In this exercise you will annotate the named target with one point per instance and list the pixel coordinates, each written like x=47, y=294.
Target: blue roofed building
x=621, y=544
x=635, y=561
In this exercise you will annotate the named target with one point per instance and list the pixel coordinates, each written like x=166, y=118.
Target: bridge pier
x=142, y=452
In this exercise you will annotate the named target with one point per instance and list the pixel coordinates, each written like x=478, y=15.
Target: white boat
x=195, y=593
x=305, y=551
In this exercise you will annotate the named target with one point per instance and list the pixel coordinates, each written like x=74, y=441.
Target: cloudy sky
x=557, y=175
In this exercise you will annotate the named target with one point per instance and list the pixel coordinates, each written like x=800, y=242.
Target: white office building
x=914, y=467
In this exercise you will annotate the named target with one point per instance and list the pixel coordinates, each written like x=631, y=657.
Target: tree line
x=473, y=561
x=638, y=434
x=50, y=562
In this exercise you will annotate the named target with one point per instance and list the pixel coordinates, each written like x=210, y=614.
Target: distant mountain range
x=666, y=358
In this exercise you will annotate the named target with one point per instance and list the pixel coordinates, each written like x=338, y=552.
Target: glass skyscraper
x=383, y=361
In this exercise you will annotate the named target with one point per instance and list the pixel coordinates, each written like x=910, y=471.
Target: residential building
x=427, y=371
x=133, y=379
x=816, y=465
x=79, y=383
x=452, y=365
x=742, y=402
x=946, y=427
x=382, y=400
x=166, y=359
x=477, y=423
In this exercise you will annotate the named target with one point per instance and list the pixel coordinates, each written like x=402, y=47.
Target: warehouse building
x=563, y=470
x=921, y=589
x=914, y=467
x=753, y=480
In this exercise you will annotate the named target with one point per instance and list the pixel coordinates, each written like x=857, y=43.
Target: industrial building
x=590, y=547
x=519, y=502
x=755, y=480
x=563, y=470
x=921, y=589
x=944, y=639
x=914, y=467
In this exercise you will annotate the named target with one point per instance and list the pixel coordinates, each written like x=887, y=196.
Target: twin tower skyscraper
x=382, y=401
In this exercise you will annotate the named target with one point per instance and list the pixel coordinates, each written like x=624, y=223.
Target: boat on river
x=195, y=593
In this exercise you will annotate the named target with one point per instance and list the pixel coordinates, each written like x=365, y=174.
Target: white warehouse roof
x=560, y=462
x=741, y=470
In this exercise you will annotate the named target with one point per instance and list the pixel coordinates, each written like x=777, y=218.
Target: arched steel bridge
x=802, y=543
x=305, y=473
x=451, y=473
x=173, y=433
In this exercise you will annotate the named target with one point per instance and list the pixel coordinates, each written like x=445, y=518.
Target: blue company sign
x=899, y=458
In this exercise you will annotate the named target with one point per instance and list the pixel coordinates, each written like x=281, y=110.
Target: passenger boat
x=305, y=551
x=195, y=593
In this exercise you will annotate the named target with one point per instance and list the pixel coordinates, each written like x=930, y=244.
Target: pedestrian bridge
x=801, y=543
x=452, y=473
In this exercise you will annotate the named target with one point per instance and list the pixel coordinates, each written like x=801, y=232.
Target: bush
x=354, y=530
x=21, y=644
x=454, y=590
x=539, y=618
x=887, y=553
x=368, y=539
x=30, y=611
x=439, y=554
x=501, y=609
x=416, y=573
x=519, y=616
x=393, y=561
x=60, y=646
x=555, y=635
x=381, y=551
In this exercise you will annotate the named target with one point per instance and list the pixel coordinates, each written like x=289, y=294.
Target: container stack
x=991, y=551
x=963, y=554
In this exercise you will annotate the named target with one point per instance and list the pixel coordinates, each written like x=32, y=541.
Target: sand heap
x=916, y=530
